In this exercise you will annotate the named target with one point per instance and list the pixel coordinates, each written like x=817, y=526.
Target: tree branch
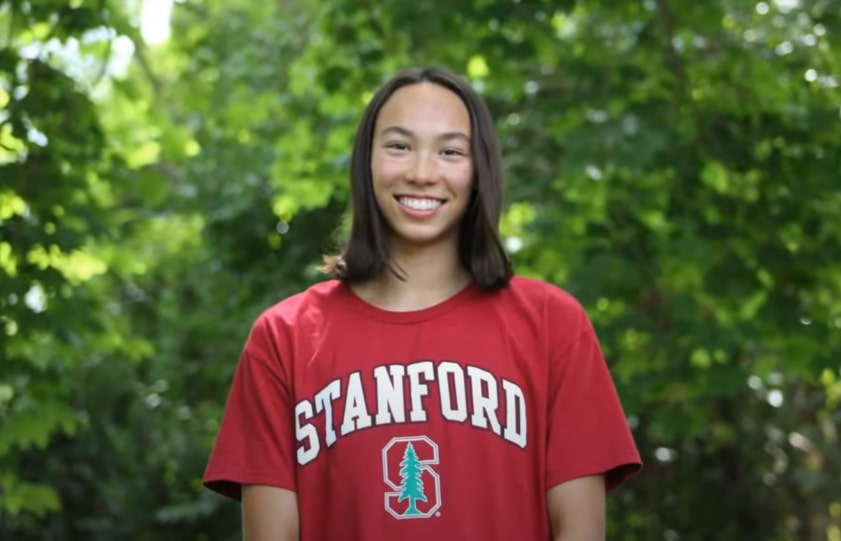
x=669, y=21
x=12, y=21
x=145, y=66
x=103, y=69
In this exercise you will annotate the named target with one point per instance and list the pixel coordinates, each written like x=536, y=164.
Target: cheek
x=383, y=178
x=384, y=172
x=463, y=180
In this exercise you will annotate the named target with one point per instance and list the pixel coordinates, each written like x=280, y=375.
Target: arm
x=577, y=509
x=269, y=514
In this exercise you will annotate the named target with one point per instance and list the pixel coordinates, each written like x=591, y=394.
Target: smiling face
x=421, y=164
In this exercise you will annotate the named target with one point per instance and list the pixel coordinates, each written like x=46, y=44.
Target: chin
x=422, y=239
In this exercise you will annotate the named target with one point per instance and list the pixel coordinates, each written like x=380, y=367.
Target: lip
x=420, y=196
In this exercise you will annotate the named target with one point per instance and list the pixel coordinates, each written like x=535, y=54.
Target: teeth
x=420, y=204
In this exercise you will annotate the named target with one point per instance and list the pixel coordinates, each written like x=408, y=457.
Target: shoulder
x=319, y=295
x=550, y=297
x=524, y=285
x=305, y=307
x=557, y=310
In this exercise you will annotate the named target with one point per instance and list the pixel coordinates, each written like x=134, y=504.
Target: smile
x=420, y=203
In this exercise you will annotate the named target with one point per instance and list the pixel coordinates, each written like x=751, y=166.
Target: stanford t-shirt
x=445, y=423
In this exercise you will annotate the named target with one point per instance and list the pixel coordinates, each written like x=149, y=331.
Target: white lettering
x=451, y=379
x=324, y=402
x=515, y=414
x=484, y=405
x=356, y=409
x=306, y=433
x=390, y=404
x=418, y=388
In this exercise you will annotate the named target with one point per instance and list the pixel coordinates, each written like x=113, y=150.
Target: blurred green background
x=169, y=170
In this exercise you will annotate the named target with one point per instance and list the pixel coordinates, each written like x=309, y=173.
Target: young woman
x=423, y=393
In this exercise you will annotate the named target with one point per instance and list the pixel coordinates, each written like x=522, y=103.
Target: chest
x=475, y=371
x=406, y=418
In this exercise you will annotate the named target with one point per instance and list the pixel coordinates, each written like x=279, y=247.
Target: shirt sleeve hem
x=615, y=475
x=229, y=484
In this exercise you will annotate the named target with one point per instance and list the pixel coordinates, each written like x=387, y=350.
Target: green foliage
x=53, y=206
x=674, y=164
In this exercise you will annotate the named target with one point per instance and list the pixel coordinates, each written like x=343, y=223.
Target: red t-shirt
x=448, y=423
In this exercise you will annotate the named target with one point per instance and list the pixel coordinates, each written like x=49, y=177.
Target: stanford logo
x=407, y=471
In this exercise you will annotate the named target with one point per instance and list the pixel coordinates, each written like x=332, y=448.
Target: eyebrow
x=446, y=136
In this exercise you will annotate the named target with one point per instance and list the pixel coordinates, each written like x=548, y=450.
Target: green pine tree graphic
x=412, y=485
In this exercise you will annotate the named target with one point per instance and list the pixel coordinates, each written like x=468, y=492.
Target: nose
x=423, y=169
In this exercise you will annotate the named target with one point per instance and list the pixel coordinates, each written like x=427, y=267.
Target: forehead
x=425, y=107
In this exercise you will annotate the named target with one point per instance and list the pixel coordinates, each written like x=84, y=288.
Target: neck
x=430, y=275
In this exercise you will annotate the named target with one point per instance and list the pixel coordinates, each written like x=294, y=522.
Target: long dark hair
x=480, y=250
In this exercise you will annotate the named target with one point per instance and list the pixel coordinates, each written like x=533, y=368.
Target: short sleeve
x=588, y=431
x=255, y=443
